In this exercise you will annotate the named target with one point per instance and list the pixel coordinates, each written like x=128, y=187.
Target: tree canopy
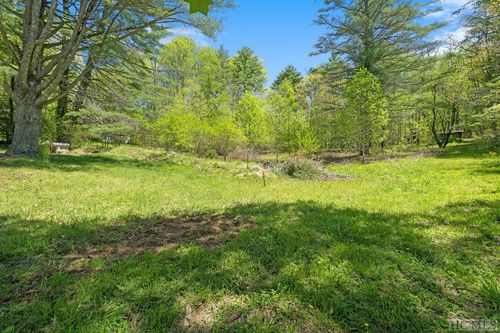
x=79, y=71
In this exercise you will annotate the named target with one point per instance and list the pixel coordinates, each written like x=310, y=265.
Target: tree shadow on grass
x=491, y=167
x=469, y=150
x=261, y=267
x=71, y=163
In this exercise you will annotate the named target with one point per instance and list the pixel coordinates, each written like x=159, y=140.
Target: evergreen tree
x=291, y=74
x=56, y=34
x=383, y=36
x=246, y=74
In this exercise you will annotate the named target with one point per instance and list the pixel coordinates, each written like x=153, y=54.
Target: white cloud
x=457, y=35
x=454, y=3
x=449, y=9
x=450, y=39
x=199, y=38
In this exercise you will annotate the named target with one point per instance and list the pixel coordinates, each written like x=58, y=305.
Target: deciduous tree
x=367, y=106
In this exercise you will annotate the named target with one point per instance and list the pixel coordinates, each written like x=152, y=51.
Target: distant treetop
x=291, y=74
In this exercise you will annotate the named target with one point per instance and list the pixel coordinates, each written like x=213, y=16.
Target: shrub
x=306, y=170
x=302, y=169
x=227, y=136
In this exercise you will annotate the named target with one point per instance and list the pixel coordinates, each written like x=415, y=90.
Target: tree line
x=98, y=71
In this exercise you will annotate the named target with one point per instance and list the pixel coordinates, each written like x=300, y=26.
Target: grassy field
x=126, y=241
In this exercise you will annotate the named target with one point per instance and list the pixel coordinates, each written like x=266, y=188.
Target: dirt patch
x=27, y=288
x=206, y=314
x=229, y=310
x=121, y=241
x=160, y=235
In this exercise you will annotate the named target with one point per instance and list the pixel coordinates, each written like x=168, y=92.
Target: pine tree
x=246, y=73
x=383, y=36
x=291, y=74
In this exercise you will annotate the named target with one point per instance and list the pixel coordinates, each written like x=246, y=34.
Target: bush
x=186, y=132
x=306, y=170
x=175, y=131
x=227, y=136
x=302, y=169
x=49, y=126
x=308, y=144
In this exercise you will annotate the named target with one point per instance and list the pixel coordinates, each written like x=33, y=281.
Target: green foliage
x=408, y=119
x=176, y=131
x=6, y=106
x=367, y=106
x=98, y=125
x=161, y=86
x=307, y=141
x=322, y=97
x=381, y=36
x=247, y=73
x=179, y=60
x=6, y=119
x=251, y=118
x=291, y=74
x=227, y=136
x=187, y=132
x=481, y=47
x=286, y=116
x=487, y=123
x=210, y=73
x=447, y=96
x=49, y=125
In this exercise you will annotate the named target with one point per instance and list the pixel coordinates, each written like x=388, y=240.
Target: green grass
x=403, y=247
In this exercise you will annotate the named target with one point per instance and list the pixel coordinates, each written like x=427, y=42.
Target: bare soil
x=158, y=236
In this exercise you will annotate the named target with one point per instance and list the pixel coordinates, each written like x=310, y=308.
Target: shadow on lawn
x=469, y=150
x=491, y=167
x=88, y=162
x=301, y=266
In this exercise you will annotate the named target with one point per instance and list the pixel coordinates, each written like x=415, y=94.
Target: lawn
x=130, y=241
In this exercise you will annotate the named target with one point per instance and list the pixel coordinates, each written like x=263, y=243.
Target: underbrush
x=305, y=169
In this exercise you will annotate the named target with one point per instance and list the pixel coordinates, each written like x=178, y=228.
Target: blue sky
x=282, y=32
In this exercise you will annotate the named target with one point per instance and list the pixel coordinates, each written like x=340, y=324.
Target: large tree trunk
x=28, y=120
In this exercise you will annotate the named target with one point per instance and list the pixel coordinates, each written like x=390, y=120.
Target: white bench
x=60, y=148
